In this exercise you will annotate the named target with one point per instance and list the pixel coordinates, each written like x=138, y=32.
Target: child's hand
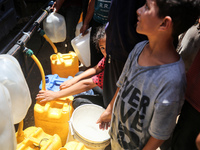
x=104, y=120
x=67, y=84
x=45, y=96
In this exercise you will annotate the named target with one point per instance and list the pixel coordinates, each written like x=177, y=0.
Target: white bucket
x=81, y=45
x=84, y=128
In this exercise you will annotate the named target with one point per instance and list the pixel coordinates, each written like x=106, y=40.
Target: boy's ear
x=167, y=23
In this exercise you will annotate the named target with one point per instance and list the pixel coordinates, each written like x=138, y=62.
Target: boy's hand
x=45, y=96
x=104, y=120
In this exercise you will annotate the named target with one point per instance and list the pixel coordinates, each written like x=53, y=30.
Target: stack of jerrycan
x=74, y=145
x=35, y=138
x=64, y=64
x=53, y=117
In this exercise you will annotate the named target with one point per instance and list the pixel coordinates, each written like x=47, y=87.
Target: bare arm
x=85, y=75
x=57, y=4
x=153, y=144
x=105, y=118
x=88, y=17
x=198, y=139
x=82, y=86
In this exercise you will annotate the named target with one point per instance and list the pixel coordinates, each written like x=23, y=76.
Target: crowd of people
x=149, y=73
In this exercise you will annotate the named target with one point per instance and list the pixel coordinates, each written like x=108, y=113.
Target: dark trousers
x=187, y=129
x=112, y=73
x=97, y=98
x=87, y=99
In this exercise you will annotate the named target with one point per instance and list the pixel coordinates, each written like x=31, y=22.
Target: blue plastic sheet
x=53, y=83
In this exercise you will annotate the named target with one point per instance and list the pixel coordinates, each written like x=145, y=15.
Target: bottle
x=7, y=138
x=81, y=45
x=12, y=78
x=55, y=27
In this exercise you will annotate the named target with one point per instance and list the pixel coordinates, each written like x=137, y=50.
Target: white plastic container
x=7, y=136
x=78, y=27
x=12, y=78
x=81, y=45
x=85, y=129
x=55, y=27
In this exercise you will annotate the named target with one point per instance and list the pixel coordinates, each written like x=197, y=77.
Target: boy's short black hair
x=184, y=13
x=99, y=35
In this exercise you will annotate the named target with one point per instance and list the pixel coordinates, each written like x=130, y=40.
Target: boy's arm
x=105, y=118
x=153, y=144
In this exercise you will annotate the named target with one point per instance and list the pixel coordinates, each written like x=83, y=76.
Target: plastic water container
x=74, y=145
x=53, y=117
x=84, y=128
x=55, y=27
x=36, y=138
x=81, y=45
x=7, y=136
x=53, y=83
x=78, y=27
x=64, y=64
x=12, y=78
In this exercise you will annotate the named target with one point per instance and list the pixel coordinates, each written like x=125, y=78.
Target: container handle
x=60, y=57
x=70, y=121
x=68, y=57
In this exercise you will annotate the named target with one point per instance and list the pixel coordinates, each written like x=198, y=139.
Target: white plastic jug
x=12, y=78
x=81, y=45
x=55, y=27
x=7, y=136
x=78, y=27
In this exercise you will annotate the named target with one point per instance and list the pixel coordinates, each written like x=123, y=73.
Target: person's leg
x=112, y=72
x=97, y=90
x=187, y=129
x=72, y=17
x=87, y=99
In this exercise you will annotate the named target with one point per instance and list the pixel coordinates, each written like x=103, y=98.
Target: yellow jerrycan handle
x=20, y=133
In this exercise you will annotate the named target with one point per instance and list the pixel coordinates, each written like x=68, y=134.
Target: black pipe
x=14, y=46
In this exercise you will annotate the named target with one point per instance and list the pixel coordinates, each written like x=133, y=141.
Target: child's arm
x=82, y=86
x=153, y=144
x=105, y=118
x=85, y=75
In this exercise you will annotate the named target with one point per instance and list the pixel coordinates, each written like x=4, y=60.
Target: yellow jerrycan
x=64, y=64
x=74, y=145
x=53, y=117
x=34, y=138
